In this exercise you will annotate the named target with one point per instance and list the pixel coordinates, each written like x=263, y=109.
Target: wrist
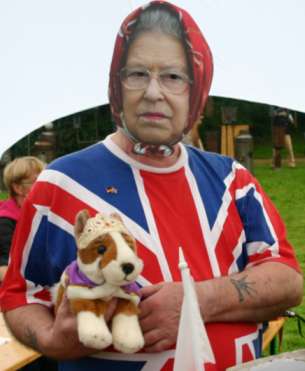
x=209, y=302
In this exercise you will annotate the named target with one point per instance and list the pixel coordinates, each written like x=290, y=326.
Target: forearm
x=35, y=326
x=256, y=294
x=29, y=324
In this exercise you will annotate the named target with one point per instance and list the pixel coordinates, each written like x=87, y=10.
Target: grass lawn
x=3, y=195
x=263, y=149
x=286, y=188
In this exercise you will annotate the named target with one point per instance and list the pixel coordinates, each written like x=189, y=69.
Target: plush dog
x=106, y=267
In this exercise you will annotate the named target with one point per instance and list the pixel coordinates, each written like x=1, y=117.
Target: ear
x=130, y=241
x=80, y=222
x=116, y=216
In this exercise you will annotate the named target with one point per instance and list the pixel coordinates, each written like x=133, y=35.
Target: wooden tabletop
x=266, y=363
x=13, y=354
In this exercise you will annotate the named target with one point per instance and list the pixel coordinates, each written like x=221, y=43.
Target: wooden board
x=273, y=329
x=228, y=134
x=13, y=355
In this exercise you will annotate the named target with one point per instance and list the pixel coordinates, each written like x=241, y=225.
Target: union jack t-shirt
x=206, y=203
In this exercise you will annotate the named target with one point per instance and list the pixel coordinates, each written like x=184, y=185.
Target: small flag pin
x=111, y=190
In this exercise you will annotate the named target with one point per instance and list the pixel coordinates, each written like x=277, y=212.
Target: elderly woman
x=169, y=195
x=19, y=176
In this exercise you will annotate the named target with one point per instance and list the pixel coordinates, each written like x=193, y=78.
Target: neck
x=126, y=144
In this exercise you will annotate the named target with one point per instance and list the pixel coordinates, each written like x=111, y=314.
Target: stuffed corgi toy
x=106, y=267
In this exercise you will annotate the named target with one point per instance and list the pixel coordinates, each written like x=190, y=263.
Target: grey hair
x=158, y=18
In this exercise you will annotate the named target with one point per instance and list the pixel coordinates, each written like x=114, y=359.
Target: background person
x=18, y=176
x=169, y=195
x=288, y=140
x=282, y=121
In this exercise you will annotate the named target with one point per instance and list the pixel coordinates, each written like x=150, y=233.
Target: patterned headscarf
x=199, y=54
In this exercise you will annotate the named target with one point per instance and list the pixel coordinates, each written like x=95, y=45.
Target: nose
x=127, y=268
x=153, y=91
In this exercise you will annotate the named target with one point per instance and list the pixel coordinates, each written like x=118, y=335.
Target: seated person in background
x=19, y=176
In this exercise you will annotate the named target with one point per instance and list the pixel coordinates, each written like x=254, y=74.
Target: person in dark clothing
x=19, y=176
x=282, y=120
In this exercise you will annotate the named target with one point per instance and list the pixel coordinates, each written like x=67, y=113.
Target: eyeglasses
x=173, y=81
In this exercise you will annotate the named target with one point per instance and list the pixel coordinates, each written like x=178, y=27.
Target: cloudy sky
x=55, y=55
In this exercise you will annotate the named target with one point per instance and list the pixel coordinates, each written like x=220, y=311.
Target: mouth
x=153, y=116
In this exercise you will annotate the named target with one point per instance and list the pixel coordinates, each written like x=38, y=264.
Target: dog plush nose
x=127, y=268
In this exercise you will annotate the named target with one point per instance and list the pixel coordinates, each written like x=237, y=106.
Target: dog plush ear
x=80, y=222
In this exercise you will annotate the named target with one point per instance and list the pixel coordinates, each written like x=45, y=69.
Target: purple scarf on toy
x=77, y=277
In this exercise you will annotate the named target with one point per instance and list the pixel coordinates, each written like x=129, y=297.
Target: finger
x=147, y=324
x=147, y=303
x=159, y=346
x=147, y=291
x=65, y=317
x=152, y=337
x=146, y=308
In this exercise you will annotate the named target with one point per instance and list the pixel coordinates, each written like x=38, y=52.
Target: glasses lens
x=135, y=78
x=175, y=82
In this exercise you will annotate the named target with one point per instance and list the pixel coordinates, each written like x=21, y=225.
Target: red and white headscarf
x=199, y=55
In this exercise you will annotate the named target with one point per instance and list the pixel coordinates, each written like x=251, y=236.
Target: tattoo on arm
x=31, y=339
x=243, y=287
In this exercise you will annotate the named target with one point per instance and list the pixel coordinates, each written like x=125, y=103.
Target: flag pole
x=193, y=346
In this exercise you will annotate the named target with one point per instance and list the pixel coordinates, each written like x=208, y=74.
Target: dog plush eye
x=101, y=249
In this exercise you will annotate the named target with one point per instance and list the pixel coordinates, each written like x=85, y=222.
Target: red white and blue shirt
x=206, y=203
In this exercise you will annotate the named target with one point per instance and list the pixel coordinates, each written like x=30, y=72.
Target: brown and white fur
x=106, y=254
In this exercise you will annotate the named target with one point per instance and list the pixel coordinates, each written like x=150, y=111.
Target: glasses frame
x=151, y=75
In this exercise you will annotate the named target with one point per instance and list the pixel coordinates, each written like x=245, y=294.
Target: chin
x=153, y=137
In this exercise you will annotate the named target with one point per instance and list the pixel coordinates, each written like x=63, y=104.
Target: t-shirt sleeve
x=265, y=232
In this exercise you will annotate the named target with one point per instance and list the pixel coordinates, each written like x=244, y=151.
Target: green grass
x=286, y=188
x=263, y=148
x=3, y=195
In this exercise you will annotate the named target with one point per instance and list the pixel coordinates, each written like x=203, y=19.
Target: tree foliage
x=84, y=128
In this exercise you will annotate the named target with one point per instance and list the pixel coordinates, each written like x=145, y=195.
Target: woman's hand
x=160, y=313
x=61, y=338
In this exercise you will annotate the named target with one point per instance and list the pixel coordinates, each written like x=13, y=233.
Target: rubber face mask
x=200, y=62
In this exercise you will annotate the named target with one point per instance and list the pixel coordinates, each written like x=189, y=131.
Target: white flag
x=193, y=346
